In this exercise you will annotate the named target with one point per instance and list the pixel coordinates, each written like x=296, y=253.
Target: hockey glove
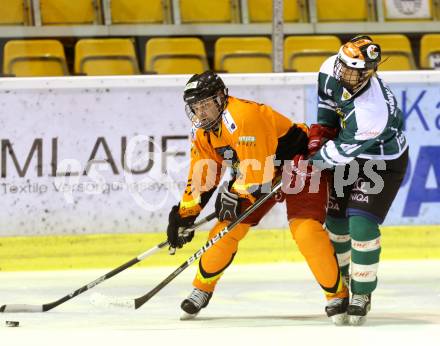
x=318, y=135
x=227, y=204
x=177, y=232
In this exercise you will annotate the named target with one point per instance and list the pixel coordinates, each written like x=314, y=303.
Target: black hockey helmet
x=202, y=88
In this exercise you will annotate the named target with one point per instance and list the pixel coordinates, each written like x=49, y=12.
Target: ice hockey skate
x=336, y=310
x=192, y=305
x=358, y=309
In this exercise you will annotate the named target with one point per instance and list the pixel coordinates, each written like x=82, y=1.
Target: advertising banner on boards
x=98, y=157
x=93, y=160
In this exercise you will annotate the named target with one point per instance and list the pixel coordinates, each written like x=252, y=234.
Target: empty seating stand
x=218, y=11
x=139, y=11
x=69, y=12
x=260, y=11
x=175, y=56
x=307, y=53
x=430, y=51
x=34, y=58
x=96, y=57
x=243, y=54
x=342, y=10
x=15, y=12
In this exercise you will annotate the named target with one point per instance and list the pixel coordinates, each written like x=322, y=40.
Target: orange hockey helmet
x=356, y=62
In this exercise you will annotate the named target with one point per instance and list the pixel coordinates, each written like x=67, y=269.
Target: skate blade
x=356, y=320
x=340, y=319
x=187, y=317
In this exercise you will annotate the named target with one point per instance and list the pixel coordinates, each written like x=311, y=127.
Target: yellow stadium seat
x=307, y=53
x=407, y=10
x=68, y=12
x=14, y=12
x=430, y=51
x=137, y=11
x=261, y=11
x=184, y=55
x=341, y=10
x=218, y=11
x=243, y=54
x=97, y=57
x=396, y=52
x=34, y=58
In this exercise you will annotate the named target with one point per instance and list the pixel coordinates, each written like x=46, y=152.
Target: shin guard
x=339, y=234
x=213, y=262
x=315, y=246
x=365, y=254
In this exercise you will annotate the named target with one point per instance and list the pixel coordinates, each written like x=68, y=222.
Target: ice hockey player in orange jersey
x=255, y=141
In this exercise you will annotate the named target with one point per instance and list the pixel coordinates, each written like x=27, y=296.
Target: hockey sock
x=213, y=262
x=365, y=254
x=314, y=244
x=340, y=237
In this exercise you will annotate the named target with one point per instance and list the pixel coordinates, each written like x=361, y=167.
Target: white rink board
x=60, y=128
x=54, y=125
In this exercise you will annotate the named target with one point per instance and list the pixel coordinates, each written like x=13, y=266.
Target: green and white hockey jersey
x=370, y=122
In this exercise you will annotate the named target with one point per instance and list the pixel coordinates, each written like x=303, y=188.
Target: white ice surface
x=277, y=304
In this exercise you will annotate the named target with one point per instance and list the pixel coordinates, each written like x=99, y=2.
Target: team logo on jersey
x=229, y=122
x=246, y=140
x=345, y=95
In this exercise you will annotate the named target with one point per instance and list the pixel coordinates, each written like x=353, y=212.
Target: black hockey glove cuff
x=177, y=232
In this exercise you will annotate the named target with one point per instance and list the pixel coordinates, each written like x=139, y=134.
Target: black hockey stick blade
x=50, y=306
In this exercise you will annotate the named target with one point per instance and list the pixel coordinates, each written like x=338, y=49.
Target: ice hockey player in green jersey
x=369, y=157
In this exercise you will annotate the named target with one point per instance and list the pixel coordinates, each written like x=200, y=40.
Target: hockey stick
x=138, y=302
x=50, y=306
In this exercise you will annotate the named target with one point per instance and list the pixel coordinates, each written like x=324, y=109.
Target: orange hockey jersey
x=247, y=141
